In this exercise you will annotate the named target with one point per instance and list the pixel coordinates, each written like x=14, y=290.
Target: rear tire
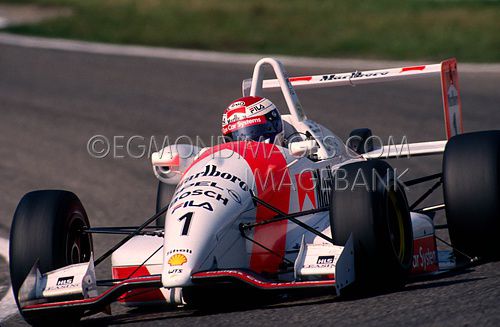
x=377, y=215
x=471, y=186
x=47, y=227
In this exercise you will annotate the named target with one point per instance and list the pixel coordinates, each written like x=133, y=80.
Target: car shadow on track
x=164, y=313
x=159, y=313
x=441, y=283
x=137, y=315
x=417, y=284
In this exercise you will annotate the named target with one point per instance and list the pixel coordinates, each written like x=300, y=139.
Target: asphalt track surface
x=53, y=102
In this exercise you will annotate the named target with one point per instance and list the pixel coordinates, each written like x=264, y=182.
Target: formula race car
x=259, y=217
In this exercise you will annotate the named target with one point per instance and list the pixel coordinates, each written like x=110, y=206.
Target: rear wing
x=447, y=70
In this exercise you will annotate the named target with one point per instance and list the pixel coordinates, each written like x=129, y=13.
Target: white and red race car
x=253, y=216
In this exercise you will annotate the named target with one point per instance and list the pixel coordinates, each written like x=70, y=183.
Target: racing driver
x=252, y=118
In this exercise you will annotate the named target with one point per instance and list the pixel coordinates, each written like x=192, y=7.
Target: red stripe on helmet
x=250, y=100
x=239, y=110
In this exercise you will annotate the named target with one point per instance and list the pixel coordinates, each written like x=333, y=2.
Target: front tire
x=47, y=226
x=373, y=207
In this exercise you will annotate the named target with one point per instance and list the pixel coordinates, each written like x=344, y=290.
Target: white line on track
x=8, y=306
x=215, y=57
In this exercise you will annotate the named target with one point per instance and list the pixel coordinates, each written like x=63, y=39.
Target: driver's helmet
x=252, y=118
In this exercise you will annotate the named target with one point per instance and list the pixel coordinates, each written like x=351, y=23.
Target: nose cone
x=176, y=277
x=208, y=200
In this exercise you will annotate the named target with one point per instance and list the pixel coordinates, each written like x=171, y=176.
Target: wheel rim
x=78, y=244
x=396, y=227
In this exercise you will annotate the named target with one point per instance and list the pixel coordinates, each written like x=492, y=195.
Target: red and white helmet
x=252, y=118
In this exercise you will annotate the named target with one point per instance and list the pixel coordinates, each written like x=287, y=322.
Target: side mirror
x=170, y=162
x=303, y=148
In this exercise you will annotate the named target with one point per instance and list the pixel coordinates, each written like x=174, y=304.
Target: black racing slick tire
x=47, y=227
x=369, y=203
x=163, y=195
x=471, y=186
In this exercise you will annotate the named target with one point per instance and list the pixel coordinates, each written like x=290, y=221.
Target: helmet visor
x=264, y=132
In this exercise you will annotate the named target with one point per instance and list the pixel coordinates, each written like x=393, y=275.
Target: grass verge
x=389, y=29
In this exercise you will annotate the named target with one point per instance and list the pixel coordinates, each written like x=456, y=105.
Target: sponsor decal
x=185, y=192
x=424, y=255
x=424, y=258
x=234, y=118
x=325, y=259
x=207, y=193
x=64, y=281
x=235, y=125
x=353, y=75
x=334, y=77
x=257, y=108
x=174, y=271
x=199, y=184
x=177, y=259
x=204, y=205
x=211, y=171
x=237, y=104
x=319, y=266
x=179, y=251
